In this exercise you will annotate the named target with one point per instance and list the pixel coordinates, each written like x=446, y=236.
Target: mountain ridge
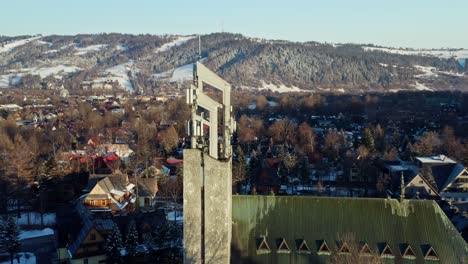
x=79, y=60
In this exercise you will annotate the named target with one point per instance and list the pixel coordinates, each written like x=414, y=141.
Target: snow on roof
x=440, y=159
x=176, y=42
x=130, y=186
x=117, y=192
x=35, y=233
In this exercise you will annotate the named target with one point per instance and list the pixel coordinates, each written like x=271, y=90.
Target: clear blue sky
x=407, y=23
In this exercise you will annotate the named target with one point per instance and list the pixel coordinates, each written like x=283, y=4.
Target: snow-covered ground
x=441, y=53
x=15, y=76
x=119, y=73
x=10, y=46
x=176, y=42
x=35, y=233
x=179, y=216
x=121, y=47
x=279, y=88
x=183, y=73
x=92, y=48
x=24, y=258
x=9, y=79
x=422, y=87
x=432, y=72
x=34, y=218
x=179, y=74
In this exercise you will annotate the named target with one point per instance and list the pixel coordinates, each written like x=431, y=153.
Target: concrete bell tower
x=208, y=171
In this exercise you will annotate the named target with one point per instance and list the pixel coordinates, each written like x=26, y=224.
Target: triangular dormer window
x=386, y=251
x=302, y=246
x=262, y=246
x=364, y=249
x=323, y=248
x=429, y=252
x=343, y=247
x=407, y=251
x=282, y=246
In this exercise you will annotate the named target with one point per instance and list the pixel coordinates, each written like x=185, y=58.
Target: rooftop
x=420, y=224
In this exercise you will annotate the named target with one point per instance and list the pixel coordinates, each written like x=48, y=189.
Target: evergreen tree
x=114, y=246
x=9, y=237
x=132, y=239
x=50, y=168
x=369, y=140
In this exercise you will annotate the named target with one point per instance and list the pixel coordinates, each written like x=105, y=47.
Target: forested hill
x=146, y=62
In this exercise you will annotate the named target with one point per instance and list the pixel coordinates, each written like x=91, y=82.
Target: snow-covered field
x=119, y=73
x=92, y=48
x=441, y=53
x=14, y=77
x=179, y=74
x=432, y=72
x=422, y=87
x=176, y=42
x=279, y=88
x=9, y=79
x=10, y=46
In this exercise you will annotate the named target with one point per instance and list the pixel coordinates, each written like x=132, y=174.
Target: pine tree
x=50, y=168
x=9, y=234
x=114, y=246
x=132, y=239
x=369, y=140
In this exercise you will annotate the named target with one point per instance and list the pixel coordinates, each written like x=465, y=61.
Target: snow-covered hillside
x=14, y=76
x=11, y=45
x=120, y=73
x=179, y=74
x=176, y=42
x=441, y=53
x=92, y=48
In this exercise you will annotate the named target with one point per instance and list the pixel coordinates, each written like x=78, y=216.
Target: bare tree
x=283, y=131
x=262, y=102
x=306, y=137
x=350, y=251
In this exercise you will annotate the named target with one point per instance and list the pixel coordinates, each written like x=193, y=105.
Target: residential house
x=117, y=195
x=123, y=151
x=147, y=189
x=113, y=194
x=448, y=177
x=86, y=239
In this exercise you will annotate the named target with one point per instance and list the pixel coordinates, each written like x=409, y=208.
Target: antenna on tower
x=199, y=47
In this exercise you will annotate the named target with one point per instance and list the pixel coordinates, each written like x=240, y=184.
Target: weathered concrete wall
x=192, y=206
x=218, y=208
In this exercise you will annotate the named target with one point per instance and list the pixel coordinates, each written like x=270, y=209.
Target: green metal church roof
x=421, y=224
